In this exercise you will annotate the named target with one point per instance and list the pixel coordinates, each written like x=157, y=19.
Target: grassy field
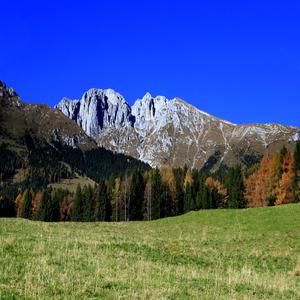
x=217, y=254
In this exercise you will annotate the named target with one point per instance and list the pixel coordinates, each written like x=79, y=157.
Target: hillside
x=217, y=254
x=45, y=146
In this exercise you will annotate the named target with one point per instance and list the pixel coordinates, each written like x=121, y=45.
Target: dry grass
x=71, y=184
x=217, y=254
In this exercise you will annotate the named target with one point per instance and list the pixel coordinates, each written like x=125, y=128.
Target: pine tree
x=137, y=196
x=236, y=188
x=296, y=170
x=205, y=201
x=99, y=214
x=157, y=195
x=27, y=205
x=201, y=190
x=103, y=208
x=87, y=202
x=179, y=178
x=54, y=207
x=77, y=211
x=43, y=211
x=282, y=154
x=108, y=206
x=188, y=198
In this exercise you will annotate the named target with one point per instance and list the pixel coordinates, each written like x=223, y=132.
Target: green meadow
x=212, y=254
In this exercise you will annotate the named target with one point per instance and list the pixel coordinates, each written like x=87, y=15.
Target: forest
x=148, y=194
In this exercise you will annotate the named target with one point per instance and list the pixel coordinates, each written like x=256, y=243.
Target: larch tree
x=218, y=194
x=188, y=186
x=257, y=186
x=285, y=191
x=170, y=191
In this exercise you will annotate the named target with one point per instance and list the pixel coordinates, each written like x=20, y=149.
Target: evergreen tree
x=27, y=204
x=205, y=201
x=108, y=206
x=235, y=188
x=103, y=203
x=54, y=208
x=296, y=170
x=201, y=192
x=188, y=198
x=77, y=212
x=87, y=202
x=179, y=174
x=282, y=154
x=42, y=214
x=137, y=196
x=157, y=194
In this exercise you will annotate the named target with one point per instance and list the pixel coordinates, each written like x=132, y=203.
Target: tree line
x=138, y=195
x=165, y=192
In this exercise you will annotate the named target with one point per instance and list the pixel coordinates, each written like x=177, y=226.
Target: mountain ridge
x=172, y=131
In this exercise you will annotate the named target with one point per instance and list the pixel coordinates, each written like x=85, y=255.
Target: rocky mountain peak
x=98, y=109
x=8, y=96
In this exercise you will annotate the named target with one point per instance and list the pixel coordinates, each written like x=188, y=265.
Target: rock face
x=8, y=96
x=98, y=110
x=161, y=131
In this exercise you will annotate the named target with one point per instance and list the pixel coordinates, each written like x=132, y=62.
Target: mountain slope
x=44, y=145
x=161, y=131
x=18, y=118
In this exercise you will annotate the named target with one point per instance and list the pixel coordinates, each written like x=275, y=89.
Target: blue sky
x=238, y=60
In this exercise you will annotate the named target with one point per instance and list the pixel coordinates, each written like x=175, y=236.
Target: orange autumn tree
x=169, y=182
x=36, y=204
x=285, y=189
x=212, y=183
x=271, y=183
x=188, y=180
x=19, y=204
x=259, y=185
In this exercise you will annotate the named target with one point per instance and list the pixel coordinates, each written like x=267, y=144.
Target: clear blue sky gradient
x=238, y=60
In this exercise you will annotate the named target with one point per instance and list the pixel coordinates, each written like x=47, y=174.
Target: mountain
x=18, y=118
x=41, y=144
x=160, y=131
